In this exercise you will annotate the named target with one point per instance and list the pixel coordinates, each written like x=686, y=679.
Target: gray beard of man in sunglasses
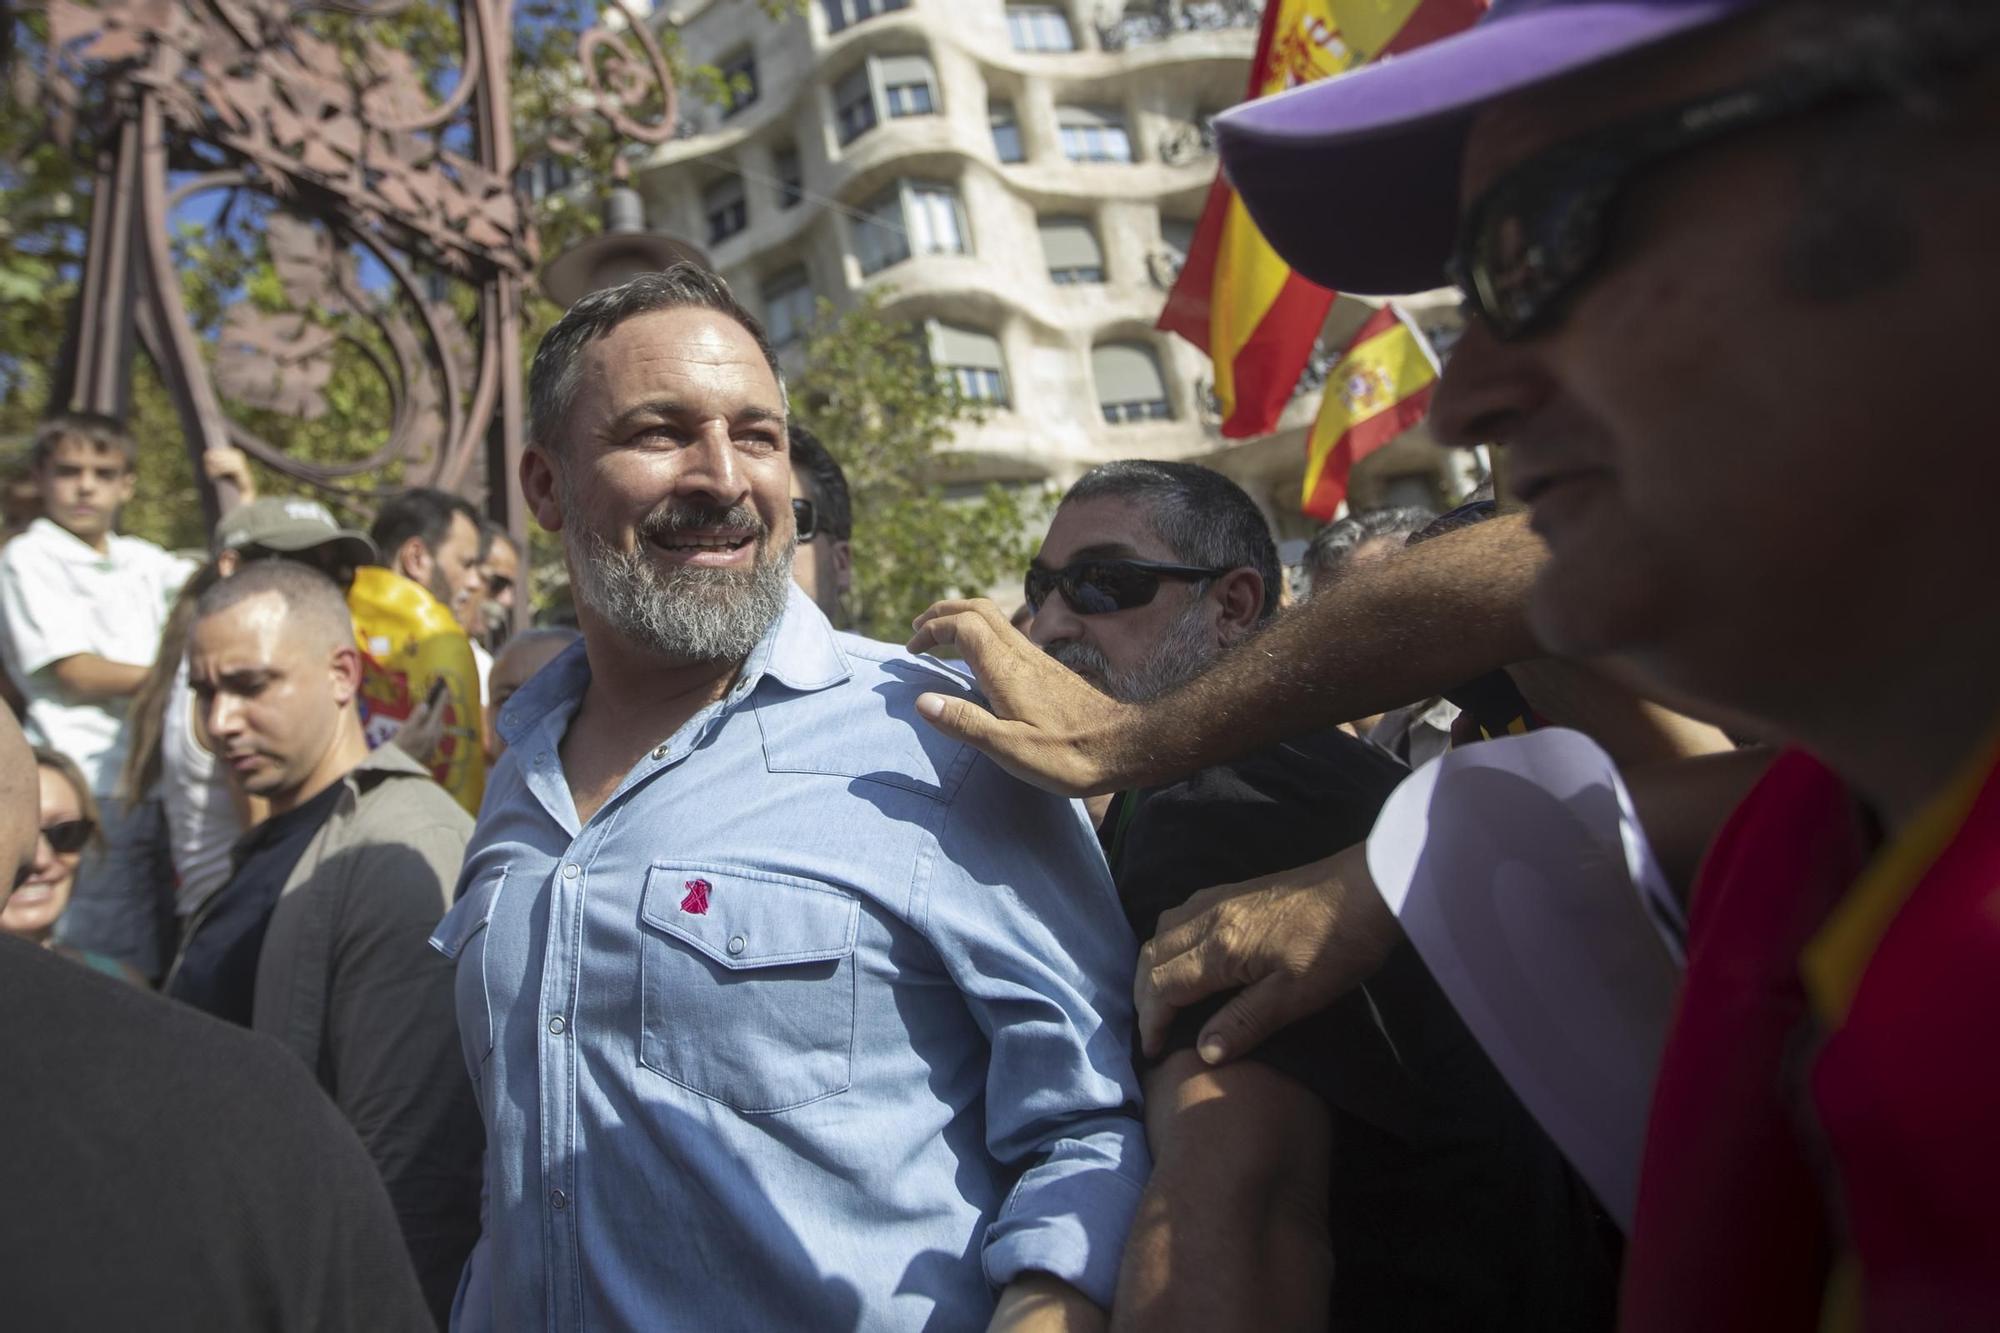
x=1118, y=512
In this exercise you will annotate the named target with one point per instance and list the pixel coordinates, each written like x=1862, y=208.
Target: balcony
x=1142, y=26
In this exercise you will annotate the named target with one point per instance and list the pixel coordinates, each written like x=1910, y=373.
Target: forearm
x=1404, y=629
x=1232, y=1232
x=88, y=678
x=1038, y=1303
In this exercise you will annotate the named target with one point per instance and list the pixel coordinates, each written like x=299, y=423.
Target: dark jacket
x=348, y=981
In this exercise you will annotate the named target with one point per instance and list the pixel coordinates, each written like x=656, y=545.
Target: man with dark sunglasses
x=1713, y=248
x=1369, y=1168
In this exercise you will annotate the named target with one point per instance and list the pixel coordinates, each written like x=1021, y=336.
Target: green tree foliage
x=869, y=392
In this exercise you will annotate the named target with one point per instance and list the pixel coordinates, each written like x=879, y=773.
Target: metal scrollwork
x=381, y=191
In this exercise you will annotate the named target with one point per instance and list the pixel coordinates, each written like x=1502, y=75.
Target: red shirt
x=1866, y=1118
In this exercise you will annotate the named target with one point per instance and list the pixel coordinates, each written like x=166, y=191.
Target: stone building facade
x=1023, y=178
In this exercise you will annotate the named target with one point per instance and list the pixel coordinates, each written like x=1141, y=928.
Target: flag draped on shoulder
x=1380, y=387
x=1235, y=299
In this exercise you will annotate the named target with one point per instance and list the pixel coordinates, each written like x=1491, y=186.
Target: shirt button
x=558, y=1200
x=735, y=944
x=571, y=870
x=557, y=1026
x=660, y=753
x=542, y=758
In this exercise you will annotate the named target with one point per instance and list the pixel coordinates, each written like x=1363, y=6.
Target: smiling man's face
x=673, y=496
x=1735, y=386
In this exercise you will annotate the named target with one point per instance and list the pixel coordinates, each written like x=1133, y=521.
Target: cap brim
x=1354, y=179
x=345, y=547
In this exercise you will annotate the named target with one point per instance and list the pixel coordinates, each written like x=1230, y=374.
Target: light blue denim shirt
x=822, y=1022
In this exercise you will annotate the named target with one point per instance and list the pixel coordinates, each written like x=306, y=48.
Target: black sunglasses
x=1098, y=587
x=1528, y=243
x=71, y=835
x=805, y=517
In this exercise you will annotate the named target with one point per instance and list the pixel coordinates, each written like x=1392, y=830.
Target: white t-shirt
x=484, y=661
x=58, y=598
x=202, y=824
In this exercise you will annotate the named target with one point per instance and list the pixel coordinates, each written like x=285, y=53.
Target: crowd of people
x=763, y=976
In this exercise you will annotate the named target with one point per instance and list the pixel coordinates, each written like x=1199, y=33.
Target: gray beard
x=1184, y=652
x=686, y=613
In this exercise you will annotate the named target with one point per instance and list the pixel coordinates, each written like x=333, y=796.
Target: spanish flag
x=1235, y=299
x=1380, y=388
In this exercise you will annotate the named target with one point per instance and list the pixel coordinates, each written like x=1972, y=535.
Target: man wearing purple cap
x=1719, y=254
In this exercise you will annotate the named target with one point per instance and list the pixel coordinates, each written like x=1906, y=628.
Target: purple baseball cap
x=1354, y=179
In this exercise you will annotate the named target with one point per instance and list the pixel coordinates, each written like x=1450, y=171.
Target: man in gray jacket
x=319, y=937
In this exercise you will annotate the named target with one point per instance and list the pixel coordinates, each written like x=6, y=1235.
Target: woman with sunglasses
x=69, y=827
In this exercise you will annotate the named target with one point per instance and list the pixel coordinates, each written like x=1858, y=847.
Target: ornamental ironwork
x=384, y=196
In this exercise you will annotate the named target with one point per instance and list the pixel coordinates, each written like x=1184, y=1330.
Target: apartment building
x=1023, y=179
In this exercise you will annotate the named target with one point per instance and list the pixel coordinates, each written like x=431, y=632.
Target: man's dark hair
x=419, y=512
x=1333, y=544
x=829, y=483
x=310, y=597
x=101, y=431
x=1203, y=517
x=552, y=379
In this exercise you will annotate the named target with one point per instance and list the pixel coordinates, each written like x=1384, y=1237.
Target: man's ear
x=413, y=560
x=1239, y=597
x=538, y=485
x=843, y=567
x=346, y=674
x=128, y=486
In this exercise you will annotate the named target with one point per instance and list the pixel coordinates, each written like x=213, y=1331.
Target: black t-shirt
x=165, y=1171
x=1449, y=1207
x=217, y=972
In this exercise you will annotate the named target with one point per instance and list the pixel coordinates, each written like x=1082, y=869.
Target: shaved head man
x=318, y=937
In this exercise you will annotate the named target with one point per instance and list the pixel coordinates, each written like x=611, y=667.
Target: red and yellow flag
x=1380, y=387
x=1235, y=299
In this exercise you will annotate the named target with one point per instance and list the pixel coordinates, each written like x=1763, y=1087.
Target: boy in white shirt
x=82, y=608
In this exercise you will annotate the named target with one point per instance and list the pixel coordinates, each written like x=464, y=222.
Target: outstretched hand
x=1046, y=724
x=1294, y=942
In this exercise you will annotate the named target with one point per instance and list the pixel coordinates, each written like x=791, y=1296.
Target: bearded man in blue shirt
x=784, y=1011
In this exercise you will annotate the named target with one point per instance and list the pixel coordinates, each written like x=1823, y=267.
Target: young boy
x=81, y=608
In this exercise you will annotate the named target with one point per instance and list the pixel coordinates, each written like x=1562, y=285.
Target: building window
x=725, y=208
x=909, y=85
x=854, y=105
x=841, y=13
x=1129, y=387
x=788, y=306
x=791, y=176
x=1093, y=134
x=1006, y=132
x=1039, y=28
x=971, y=359
x=909, y=219
x=739, y=81
x=1072, y=251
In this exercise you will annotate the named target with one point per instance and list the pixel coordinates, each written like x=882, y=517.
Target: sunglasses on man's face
x=1528, y=244
x=805, y=517
x=69, y=836
x=1099, y=587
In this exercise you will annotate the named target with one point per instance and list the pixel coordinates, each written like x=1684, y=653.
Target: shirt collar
x=800, y=652
x=70, y=546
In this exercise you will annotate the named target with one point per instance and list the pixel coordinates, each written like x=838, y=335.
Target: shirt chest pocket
x=462, y=937
x=747, y=982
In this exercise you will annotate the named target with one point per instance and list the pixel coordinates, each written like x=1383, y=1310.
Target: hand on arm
x=87, y=678
x=1295, y=942
x=1355, y=649
x=1232, y=1231
x=1038, y=1303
